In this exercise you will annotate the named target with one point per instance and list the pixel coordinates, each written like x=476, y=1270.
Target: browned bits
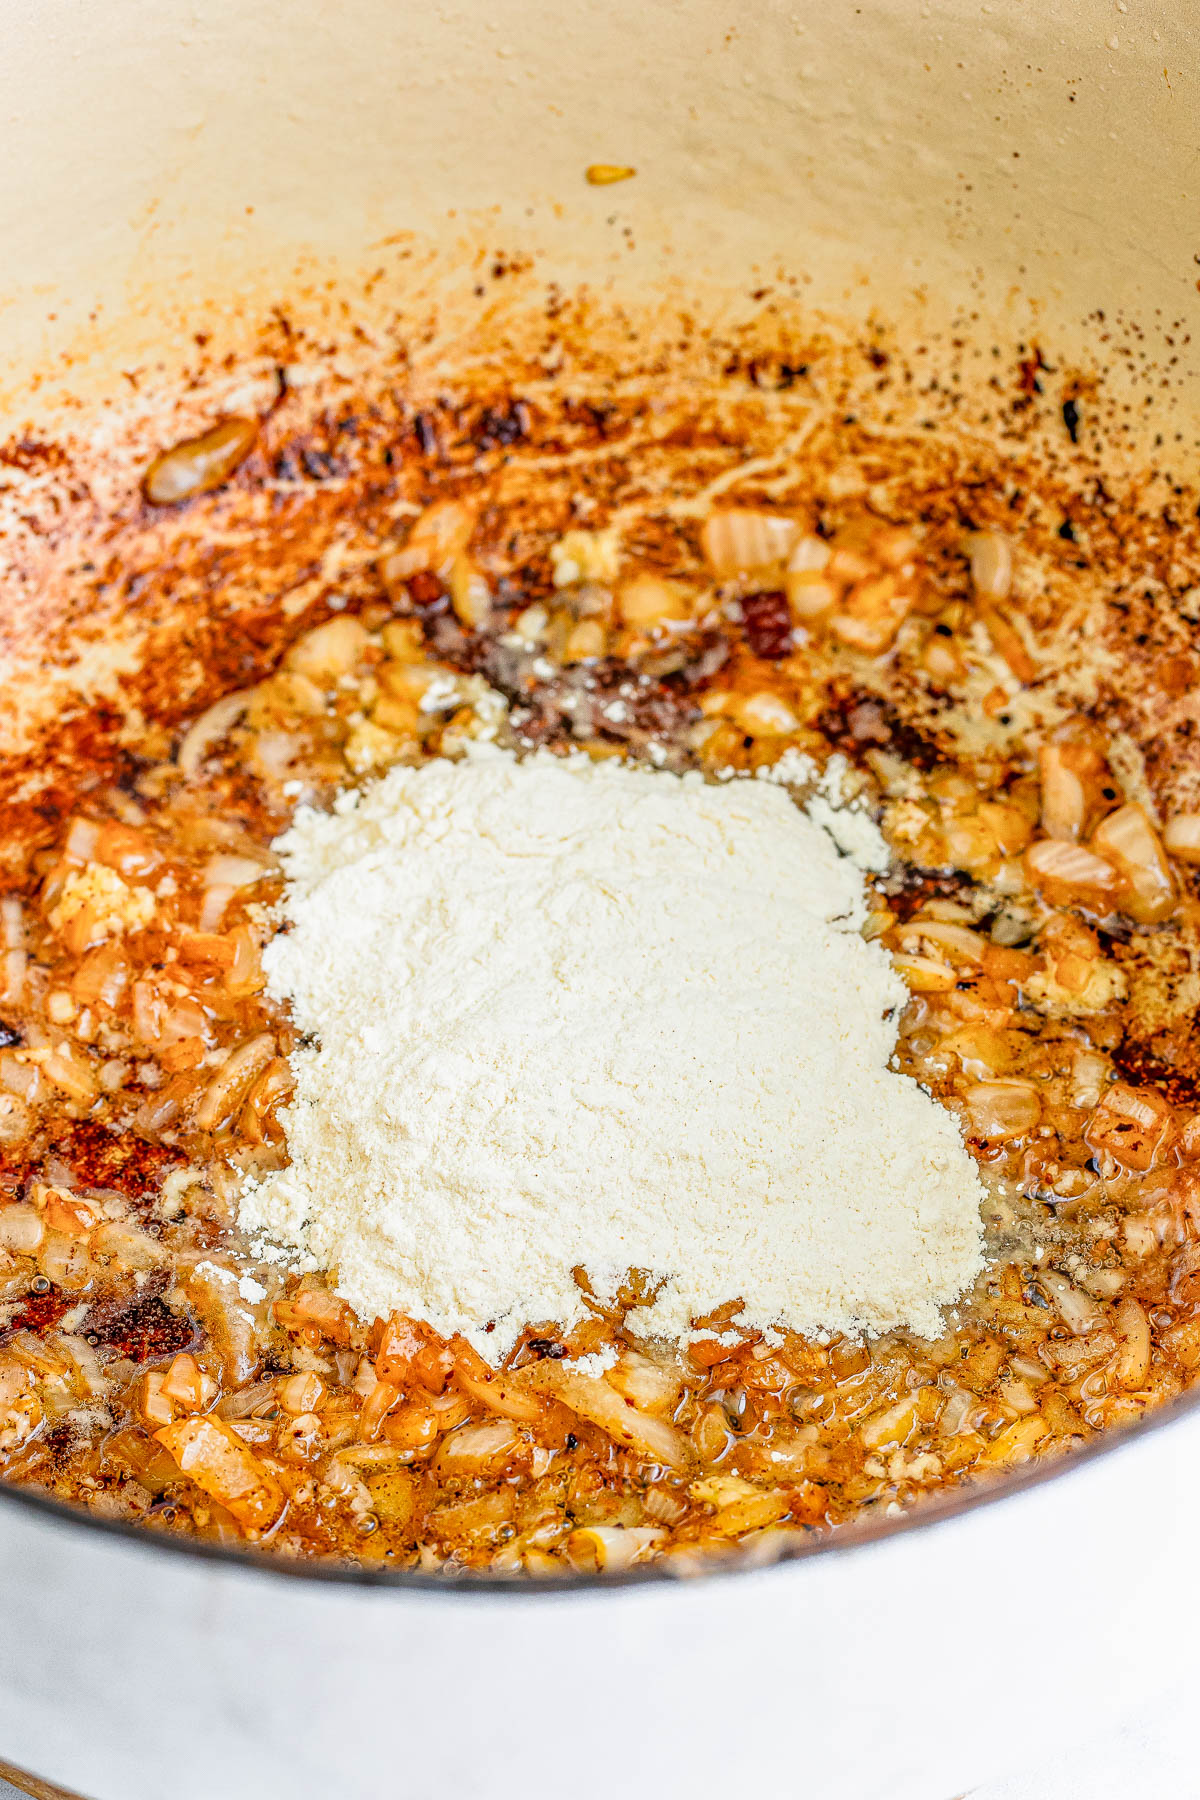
x=151, y=1363
x=200, y=464
x=767, y=623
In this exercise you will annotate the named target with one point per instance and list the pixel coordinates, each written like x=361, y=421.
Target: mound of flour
x=571, y=1014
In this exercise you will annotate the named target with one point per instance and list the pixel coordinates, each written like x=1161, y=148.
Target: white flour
x=583, y=1014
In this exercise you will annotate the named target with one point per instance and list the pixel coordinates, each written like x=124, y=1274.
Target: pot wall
x=910, y=1669
x=179, y=172
x=1033, y=162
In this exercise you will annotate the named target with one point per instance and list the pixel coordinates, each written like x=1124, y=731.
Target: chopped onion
x=232, y=1081
x=16, y=1120
x=611, y=1547
x=21, y=1229
x=740, y=541
x=212, y=907
x=81, y=840
x=991, y=564
x=1077, y=1310
x=225, y=870
x=1182, y=836
x=209, y=729
x=12, y=918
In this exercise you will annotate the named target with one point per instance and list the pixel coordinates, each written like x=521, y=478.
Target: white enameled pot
x=909, y=1668
x=1022, y=167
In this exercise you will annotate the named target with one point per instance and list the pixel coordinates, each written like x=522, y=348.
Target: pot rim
x=474, y=1582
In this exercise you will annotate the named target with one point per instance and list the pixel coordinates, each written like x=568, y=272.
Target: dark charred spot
x=498, y=427
x=544, y=1348
x=767, y=623
x=320, y=465
x=1070, y=413
x=856, y=721
x=57, y=1442
x=907, y=888
x=9, y=1035
x=1029, y=371
x=426, y=433
x=140, y=1325
x=1168, y=1062
x=32, y=455
x=100, y=1158
x=597, y=420
x=38, y=1311
x=426, y=592
x=603, y=699
x=285, y=465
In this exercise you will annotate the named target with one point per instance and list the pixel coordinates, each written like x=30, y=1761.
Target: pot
x=201, y=200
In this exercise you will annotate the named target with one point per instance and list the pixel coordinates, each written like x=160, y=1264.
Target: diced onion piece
x=649, y=600
x=1077, y=1310
x=12, y=921
x=81, y=841
x=200, y=464
x=245, y=974
x=135, y=1249
x=329, y=650
x=211, y=1454
x=226, y=870
x=1131, y=1365
x=741, y=541
x=157, y=1408
x=1181, y=835
x=1129, y=841
x=70, y=1070
x=593, y=1399
x=651, y=1386
x=441, y=534
x=477, y=1450
x=1130, y=1123
x=16, y=1120
x=469, y=593
x=21, y=1229
x=764, y=715
x=186, y=1383
x=13, y=970
x=991, y=564
x=1016, y=1443
x=502, y=1395
x=982, y=1051
x=1002, y=1109
x=810, y=555
x=611, y=1548
x=14, y=963
x=212, y=725
x=231, y=1083
x=1064, y=803
x=157, y=1111
x=924, y=974
x=871, y=614
x=1068, y=874
x=212, y=907
x=955, y=943
x=376, y=1407
x=809, y=594
x=891, y=1425
x=228, y=1317
x=64, y=1260
x=300, y=1393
